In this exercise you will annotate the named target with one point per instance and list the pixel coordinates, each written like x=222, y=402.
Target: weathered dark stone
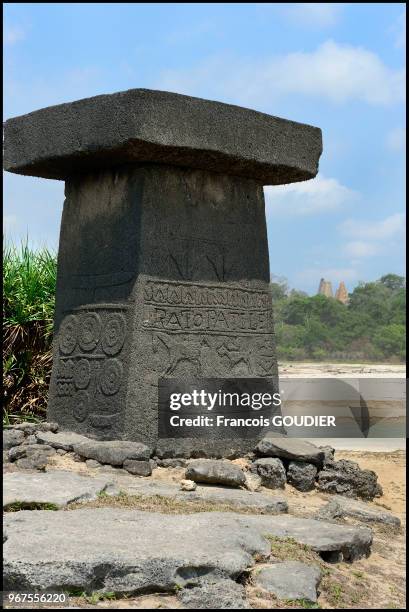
x=271, y=471
x=163, y=267
x=112, y=452
x=65, y=439
x=290, y=448
x=346, y=478
x=138, y=468
x=141, y=125
x=289, y=580
x=301, y=475
x=340, y=507
x=213, y=471
x=28, y=450
x=58, y=488
x=12, y=437
x=31, y=428
x=171, y=463
x=45, y=550
x=329, y=453
x=213, y=593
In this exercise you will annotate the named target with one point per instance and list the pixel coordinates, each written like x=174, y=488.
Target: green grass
x=29, y=280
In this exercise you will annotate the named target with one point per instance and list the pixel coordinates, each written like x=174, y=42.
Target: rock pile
x=274, y=463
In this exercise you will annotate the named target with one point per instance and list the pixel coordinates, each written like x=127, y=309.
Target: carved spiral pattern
x=82, y=374
x=111, y=376
x=68, y=334
x=81, y=404
x=90, y=331
x=113, y=337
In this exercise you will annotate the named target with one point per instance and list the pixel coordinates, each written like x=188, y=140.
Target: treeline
x=371, y=327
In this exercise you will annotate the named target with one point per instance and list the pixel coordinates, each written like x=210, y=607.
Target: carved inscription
x=209, y=330
x=89, y=368
x=194, y=308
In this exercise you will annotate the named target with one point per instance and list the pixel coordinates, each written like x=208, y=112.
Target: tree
x=393, y=281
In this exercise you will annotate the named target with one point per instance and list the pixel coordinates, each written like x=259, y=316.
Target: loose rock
x=214, y=471
x=171, y=463
x=92, y=464
x=65, y=439
x=113, y=452
x=271, y=472
x=301, y=475
x=340, y=507
x=31, y=456
x=329, y=453
x=215, y=594
x=253, y=481
x=290, y=448
x=187, y=485
x=345, y=477
x=12, y=437
x=138, y=468
x=289, y=580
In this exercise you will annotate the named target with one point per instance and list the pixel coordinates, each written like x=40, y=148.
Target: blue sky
x=336, y=66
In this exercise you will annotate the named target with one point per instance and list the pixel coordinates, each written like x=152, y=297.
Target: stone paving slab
x=289, y=580
x=110, y=549
x=240, y=498
x=56, y=488
x=340, y=507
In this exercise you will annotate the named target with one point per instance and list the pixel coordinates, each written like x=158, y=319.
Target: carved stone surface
x=163, y=267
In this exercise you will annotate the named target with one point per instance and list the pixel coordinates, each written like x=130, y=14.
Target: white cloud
x=372, y=237
x=359, y=248
x=396, y=139
x=337, y=72
x=313, y=13
x=13, y=34
x=309, y=197
x=390, y=227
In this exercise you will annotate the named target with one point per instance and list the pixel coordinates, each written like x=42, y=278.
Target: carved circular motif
x=111, y=376
x=81, y=402
x=82, y=373
x=113, y=336
x=90, y=331
x=68, y=334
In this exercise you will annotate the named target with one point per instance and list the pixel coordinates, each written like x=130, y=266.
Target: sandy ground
x=327, y=370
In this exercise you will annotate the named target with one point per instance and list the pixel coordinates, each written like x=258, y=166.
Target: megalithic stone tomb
x=163, y=267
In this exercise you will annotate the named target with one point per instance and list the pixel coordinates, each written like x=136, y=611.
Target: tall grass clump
x=29, y=278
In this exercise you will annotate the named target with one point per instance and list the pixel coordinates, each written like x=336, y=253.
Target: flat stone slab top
x=293, y=449
x=54, y=488
x=141, y=125
x=111, y=549
x=290, y=580
x=236, y=498
x=340, y=507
